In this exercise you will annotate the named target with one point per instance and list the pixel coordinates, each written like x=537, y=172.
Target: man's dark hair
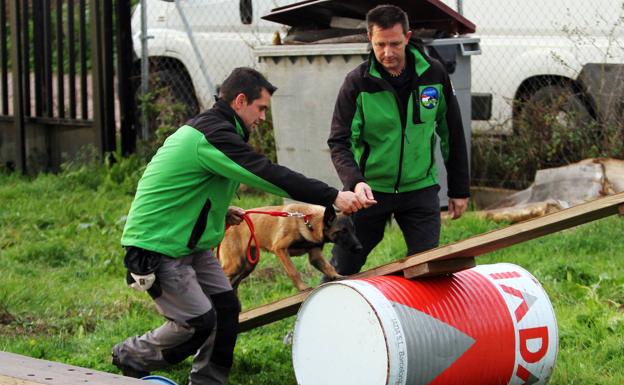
x=247, y=81
x=386, y=16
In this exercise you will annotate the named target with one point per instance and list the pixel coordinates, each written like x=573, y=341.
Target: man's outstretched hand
x=349, y=202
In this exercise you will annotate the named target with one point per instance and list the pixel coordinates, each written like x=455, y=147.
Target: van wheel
x=170, y=101
x=554, y=122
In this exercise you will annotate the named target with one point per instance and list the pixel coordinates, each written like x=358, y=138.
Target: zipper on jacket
x=200, y=225
x=403, y=119
x=432, y=144
x=398, y=180
x=364, y=158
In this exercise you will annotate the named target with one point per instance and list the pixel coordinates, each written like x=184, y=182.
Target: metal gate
x=57, y=80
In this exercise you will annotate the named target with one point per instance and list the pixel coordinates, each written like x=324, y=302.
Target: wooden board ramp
x=428, y=262
x=16, y=369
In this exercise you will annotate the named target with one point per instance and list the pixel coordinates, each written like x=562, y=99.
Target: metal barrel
x=492, y=324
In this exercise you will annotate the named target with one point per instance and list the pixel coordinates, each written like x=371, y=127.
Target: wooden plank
x=15, y=381
x=436, y=268
x=16, y=369
x=468, y=248
x=511, y=235
x=271, y=312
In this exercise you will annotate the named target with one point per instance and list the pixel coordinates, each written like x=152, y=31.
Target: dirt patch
x=6, y=318
x=267, y=273
x=12, y=326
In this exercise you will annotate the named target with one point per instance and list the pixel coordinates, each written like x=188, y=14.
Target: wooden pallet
x=21, y=370
x=453, y=257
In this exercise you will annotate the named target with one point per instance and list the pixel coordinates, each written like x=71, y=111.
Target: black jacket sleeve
x=235, y=159
x=457, y=162
x=340, y=135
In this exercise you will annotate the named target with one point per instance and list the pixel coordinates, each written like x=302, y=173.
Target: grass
x=63, y=295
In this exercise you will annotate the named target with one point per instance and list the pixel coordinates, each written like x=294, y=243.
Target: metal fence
x=57, y=73
x=532, y=51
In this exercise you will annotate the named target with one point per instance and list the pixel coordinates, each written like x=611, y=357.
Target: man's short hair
x=386, y=16
x=247, y=81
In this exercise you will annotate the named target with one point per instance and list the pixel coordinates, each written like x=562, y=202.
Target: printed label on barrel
x=491, y=324
x=534, y=321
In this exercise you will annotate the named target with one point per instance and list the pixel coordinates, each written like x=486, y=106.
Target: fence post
x=18, y=102
x=127, y=105
x=108, y=69
x=97, y=74
x=103, y=93
x=144, y=71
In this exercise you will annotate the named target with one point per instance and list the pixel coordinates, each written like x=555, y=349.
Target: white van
x=532, y=51
x=194, y=44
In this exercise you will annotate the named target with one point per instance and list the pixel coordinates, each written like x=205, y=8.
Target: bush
x=166, y=116
x=511, y=161
x=262, y=139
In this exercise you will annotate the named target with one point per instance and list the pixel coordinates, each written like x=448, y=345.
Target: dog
x=286, y=237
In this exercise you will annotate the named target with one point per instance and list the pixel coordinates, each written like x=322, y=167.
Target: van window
x=246, y=11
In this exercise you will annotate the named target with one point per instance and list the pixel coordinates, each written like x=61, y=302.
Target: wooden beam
x=436, y=268
x=4, y=380
x=471, y=247
x=16, y=369
x=271, y=312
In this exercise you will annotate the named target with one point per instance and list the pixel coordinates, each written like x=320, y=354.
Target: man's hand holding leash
x=364, y=194
x=234, y=215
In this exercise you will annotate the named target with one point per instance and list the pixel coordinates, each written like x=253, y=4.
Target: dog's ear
x=329, y=216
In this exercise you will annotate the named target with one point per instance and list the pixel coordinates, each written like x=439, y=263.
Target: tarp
x=558, y=188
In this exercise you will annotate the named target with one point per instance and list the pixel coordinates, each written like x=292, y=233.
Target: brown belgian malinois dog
x=286, y=237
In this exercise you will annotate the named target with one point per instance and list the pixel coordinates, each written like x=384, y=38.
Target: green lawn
x=63, y=295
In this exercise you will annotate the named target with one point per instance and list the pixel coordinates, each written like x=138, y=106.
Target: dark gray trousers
x=416, y=212
x=191, y=288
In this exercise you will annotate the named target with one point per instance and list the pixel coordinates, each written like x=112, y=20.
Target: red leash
x=254, y=259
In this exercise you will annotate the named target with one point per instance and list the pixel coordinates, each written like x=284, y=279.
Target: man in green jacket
x=179, y=214
x=382, y=140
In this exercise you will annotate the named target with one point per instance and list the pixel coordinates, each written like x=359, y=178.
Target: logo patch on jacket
x=429, y=97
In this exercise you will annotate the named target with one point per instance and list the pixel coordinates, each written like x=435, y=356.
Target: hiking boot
x=128, y=371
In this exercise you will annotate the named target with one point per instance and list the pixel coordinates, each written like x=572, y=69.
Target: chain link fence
x=192, y=46
x=540, y=73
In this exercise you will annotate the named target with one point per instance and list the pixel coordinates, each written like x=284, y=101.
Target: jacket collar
x=420, y=62
x=224, y=110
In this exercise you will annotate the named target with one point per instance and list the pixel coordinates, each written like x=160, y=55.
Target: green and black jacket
x=374, y=140
x=183, y=196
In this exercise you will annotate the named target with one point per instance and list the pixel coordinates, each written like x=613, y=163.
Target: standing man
x=179, y=213
x=382, y=140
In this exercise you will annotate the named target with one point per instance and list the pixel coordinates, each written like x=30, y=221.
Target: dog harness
x=253, y=260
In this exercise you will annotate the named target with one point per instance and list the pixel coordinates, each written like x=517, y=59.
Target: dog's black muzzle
x=348, y=241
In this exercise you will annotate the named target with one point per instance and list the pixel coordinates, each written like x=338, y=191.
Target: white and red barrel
x=492, y=324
